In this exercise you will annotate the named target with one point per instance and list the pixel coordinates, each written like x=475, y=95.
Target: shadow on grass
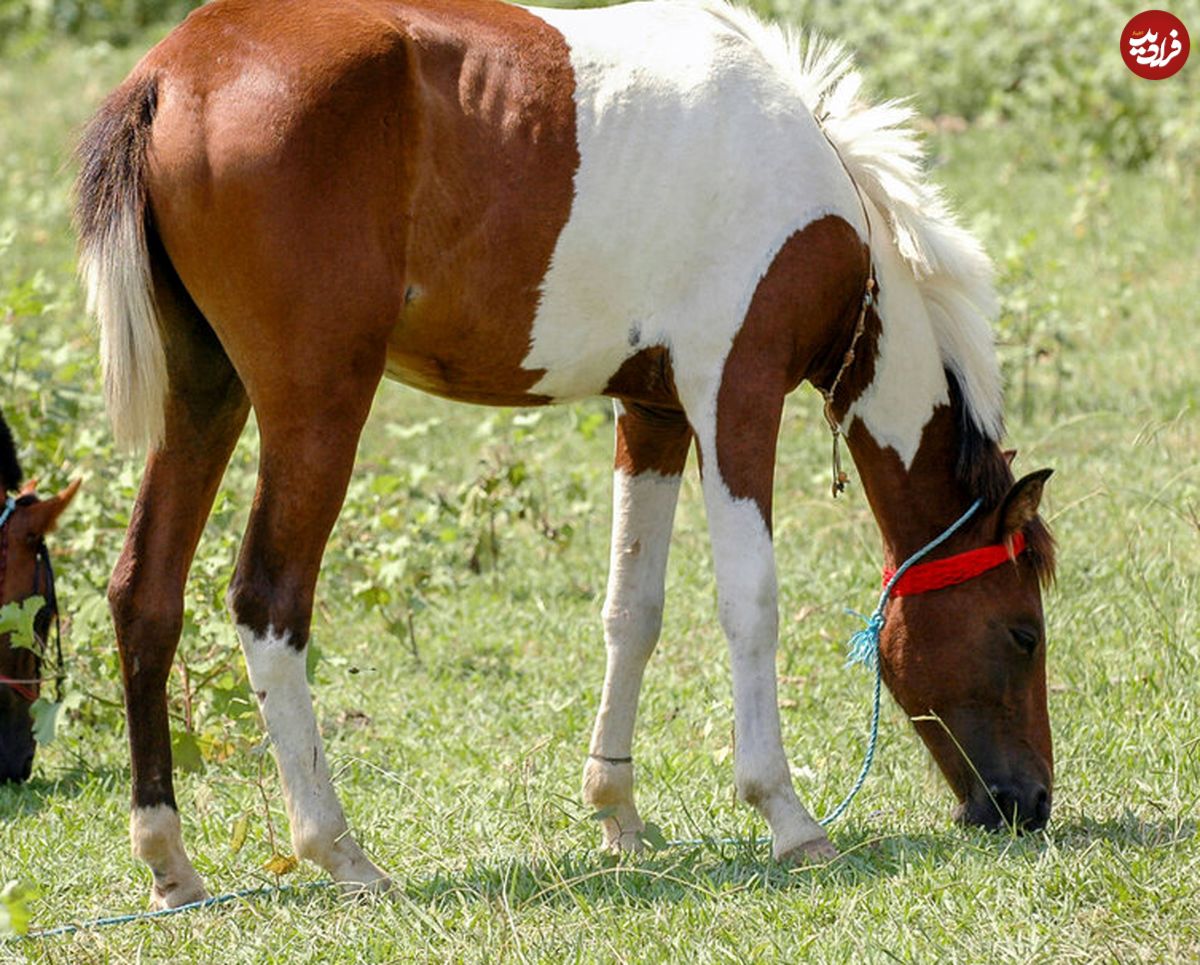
x=678, y=873
x=1125, y=829
x=38, y=792
x=717, y=869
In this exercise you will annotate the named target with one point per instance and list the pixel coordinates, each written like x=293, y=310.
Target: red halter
x=923, y=577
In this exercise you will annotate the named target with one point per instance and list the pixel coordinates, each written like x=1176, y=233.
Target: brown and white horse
x=664, y=203
x=25, y=572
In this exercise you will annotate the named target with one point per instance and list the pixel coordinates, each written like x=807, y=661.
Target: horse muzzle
x=1006, y=806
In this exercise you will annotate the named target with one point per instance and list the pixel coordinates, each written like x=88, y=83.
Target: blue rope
x=10, y=506
x=212, y=902
x=863, y=648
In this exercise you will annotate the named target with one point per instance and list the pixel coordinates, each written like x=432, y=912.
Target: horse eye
x=1024, y=638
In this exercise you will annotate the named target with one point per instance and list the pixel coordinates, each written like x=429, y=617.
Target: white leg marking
x=319, y=830
x=157, y=840
x=643, y=511
x=744, y=560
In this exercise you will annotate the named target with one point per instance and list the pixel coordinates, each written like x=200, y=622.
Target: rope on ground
x=212, y=902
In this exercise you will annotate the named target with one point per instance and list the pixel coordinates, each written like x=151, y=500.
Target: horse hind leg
x=205, y=409
x=652, y=446
x=309, y=433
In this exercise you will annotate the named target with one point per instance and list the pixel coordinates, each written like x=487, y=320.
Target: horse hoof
x=627, y=842
x=815, y=852
x=377, y=887
x=176, y=893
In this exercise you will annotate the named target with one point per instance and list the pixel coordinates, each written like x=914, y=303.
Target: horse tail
x=113, y=219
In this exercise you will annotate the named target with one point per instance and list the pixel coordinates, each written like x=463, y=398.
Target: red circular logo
x=1155, y=44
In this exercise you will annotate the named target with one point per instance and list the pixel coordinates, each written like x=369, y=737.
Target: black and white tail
x=112, y=218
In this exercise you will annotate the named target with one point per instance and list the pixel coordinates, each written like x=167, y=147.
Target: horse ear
x=10, y=466
x=43, y=515
x=1009, y=456
x=1021, y=504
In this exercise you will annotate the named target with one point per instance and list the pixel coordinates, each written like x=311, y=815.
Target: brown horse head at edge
x=22, y=575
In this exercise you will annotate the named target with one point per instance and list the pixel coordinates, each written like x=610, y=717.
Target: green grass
x=459, y=762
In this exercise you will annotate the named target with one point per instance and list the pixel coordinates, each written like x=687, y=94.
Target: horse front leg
x=738, y=459
x=309, y=436
x=652, y=447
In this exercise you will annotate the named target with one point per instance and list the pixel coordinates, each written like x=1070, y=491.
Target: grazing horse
x=25, y=571
x=664, y=203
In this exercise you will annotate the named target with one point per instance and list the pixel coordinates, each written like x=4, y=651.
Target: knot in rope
x=863, y=646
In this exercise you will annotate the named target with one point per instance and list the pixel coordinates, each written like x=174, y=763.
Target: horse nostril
x=1020, y=807
x=1005, y=801
x=1039, y=812
x=1024, y=808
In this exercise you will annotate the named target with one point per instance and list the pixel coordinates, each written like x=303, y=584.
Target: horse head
x=967, y=661
x=25, y=572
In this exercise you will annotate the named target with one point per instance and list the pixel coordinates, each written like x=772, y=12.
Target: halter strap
x=938, y=574
x=22, y=687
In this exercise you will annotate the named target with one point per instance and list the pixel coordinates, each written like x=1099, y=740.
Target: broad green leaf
x=14, y=907
x=185, y=751
x=17, y=619
x=45, y=720
x=653, y=836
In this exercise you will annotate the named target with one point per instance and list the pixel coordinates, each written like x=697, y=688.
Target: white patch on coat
x=318, y=824
x=882, y=151
x=909, y=379
x=697, y=163
x=157, y=839
x=643, y=513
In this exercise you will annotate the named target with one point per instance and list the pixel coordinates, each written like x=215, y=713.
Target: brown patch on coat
x=651, y=438
x=810, y=295
x=950, y=652
x=411, y=163
x=652, y=430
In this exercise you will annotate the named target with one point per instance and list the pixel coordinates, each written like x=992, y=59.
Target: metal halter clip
x=839, y=476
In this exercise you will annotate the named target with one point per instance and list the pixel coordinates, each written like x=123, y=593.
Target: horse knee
x=635, y=625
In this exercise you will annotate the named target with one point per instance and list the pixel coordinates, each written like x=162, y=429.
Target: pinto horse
x=25, y=571
x=669, y=204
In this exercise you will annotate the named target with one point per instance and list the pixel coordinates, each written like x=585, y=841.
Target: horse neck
x=914, y=503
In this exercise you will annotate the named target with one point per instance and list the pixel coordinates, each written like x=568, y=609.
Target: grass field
x=458, y=672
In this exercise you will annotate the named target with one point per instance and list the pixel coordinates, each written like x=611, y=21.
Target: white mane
x=883, y=154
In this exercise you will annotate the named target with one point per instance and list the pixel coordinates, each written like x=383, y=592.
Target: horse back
x=402, y=169
x=504, y=207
